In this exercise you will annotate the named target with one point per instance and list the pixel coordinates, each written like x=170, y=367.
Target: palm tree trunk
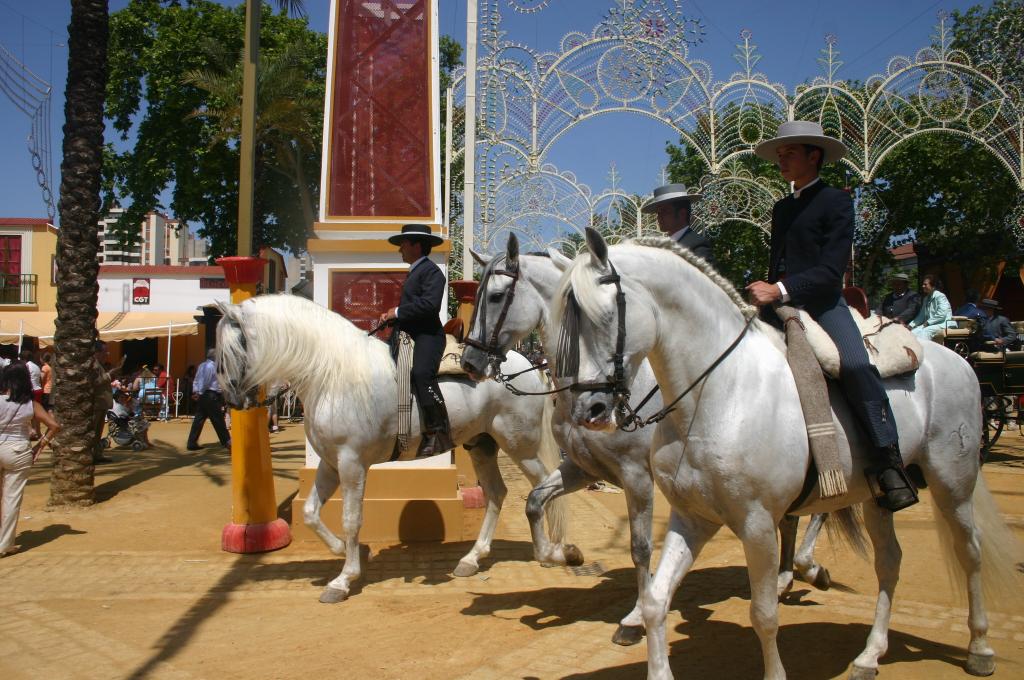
x=77, y=245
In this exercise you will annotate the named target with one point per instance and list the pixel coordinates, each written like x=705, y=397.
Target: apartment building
x=161, y=241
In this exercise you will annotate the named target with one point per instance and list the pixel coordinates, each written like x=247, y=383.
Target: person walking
x=18, y=412
x=206, y=394
x=102, y=397
x=811, y=242
x=47, y=379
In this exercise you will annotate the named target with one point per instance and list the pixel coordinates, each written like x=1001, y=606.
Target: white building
x=161, y=241
x=160, y=288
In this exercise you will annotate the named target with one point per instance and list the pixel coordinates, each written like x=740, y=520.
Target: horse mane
x=580, y=291
x=321, y=353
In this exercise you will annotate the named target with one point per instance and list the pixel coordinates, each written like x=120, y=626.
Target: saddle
x=891, y=347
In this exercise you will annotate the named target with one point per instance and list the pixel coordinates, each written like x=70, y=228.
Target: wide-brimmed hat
x=899, y=276
x=801, y=132
x=990, y=303
x=670, y=193
x=419, y=232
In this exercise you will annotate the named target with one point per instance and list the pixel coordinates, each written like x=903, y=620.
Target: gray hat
x=990, y=303
x=801, y=132
x=670, y=193
x=899, y=276
x=417, y=232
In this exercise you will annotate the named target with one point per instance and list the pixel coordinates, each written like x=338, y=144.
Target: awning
x=113, y=326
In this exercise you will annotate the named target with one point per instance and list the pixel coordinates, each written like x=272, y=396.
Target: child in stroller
x=124, y=428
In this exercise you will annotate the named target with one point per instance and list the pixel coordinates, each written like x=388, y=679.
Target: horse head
x=233, y=359
x=605, y=327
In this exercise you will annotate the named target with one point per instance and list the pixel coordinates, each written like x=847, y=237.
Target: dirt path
x=136, y=587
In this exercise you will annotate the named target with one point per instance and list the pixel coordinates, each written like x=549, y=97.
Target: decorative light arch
x=636, y=61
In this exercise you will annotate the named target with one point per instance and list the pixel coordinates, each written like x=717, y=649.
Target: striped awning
x=113, y=326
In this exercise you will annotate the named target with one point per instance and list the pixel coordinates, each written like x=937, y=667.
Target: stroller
x=122, y=431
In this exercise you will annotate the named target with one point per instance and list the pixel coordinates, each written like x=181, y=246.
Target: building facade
x=161, y=241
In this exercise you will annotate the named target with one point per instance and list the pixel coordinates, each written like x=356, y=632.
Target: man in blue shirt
x=209, y=404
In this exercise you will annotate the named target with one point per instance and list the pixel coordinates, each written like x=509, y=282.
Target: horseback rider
x=812, y=238
x=419, y=315
x=673, y=205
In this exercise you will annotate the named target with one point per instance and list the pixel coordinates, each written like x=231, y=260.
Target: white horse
x=511, y=303
x=734, y=450
x=347, y=385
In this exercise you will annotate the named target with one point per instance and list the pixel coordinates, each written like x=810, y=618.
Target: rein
x=495, y=354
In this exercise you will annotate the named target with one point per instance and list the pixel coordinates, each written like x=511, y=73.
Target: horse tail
x=1000, y=551
x=847, y=526
x=557, y=509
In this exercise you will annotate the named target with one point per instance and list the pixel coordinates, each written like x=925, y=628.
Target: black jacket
x=699, y=245
x=812, y=238
x=903, y=308
x=1000, y=328
x=419, y=311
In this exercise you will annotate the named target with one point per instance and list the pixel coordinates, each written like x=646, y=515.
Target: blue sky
x=788, y=33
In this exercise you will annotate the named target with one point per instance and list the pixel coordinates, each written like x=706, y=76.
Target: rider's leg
x=864, y=391
x=434, y=415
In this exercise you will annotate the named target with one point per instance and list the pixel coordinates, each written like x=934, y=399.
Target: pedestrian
x=209, y=402
x=35, y=375
x=102, y=397
x=18, y=412
x=47, y=379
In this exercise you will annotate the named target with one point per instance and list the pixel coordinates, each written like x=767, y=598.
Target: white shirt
x=796, y=194
x=35, y=375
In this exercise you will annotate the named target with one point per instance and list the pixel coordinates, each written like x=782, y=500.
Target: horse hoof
x=785, y=587
x=573, y=555
x=981, y=664
x=333, y=596
x=466, y=569
x=861, y=673
x=822, y=580
x=628, y=635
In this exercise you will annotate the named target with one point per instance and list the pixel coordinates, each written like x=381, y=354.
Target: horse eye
x=496, y=297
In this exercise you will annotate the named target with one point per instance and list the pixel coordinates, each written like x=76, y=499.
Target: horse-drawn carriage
x=1000, y=374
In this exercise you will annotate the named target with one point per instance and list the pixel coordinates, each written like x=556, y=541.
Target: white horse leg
x=787, y=546
x=353, y=476
x=762, y=553
x=888, y=556
x=809, y=570
x=557, y=552
x=639, y=493
x=325, y=484
x=960, y=519
x=683, y=542
x=565, y=480
x=485, y=463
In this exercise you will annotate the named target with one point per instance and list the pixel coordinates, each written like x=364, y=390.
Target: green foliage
x=170, y=89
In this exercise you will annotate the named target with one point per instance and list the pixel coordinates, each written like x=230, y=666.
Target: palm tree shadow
x=138, y=468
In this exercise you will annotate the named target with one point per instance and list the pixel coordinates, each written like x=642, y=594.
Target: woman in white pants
x=18, y=412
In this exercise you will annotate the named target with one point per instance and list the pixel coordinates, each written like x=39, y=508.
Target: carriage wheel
x=993, y=411
x=961, y=348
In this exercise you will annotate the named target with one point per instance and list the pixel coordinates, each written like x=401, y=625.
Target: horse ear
x=597, y=247
x=481, y=260
x=560, y=261
x=512, y=251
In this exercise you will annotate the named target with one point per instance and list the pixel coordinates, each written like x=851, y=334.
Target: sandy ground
x=137, y=587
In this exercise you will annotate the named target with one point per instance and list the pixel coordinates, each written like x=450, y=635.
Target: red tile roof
x=162, y=269
x=22, y=221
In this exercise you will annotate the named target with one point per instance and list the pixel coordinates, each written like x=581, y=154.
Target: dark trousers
x=210, y=405
x=858, y=378
x=426, y=358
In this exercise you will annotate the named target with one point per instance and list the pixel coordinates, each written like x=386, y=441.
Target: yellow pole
x=247, y=144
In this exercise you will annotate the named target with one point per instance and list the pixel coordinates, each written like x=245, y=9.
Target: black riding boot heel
x=437, y=436
x=889, y=481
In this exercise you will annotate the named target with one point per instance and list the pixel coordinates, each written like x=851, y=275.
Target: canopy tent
x=113, y=326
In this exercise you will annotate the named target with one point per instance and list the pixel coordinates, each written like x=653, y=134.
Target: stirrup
x=434, y=443
x=892, y=488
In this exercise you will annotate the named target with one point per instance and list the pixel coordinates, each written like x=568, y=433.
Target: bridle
x=616, y=384
x=495, y=354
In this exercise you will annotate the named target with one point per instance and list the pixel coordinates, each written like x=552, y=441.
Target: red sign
x=140, y=291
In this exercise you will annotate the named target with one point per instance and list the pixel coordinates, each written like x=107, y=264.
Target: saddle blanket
x=891, y=347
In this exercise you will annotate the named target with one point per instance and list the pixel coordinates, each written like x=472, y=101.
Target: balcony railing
x=18, y=289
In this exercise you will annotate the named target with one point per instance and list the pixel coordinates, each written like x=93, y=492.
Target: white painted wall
x=166, y=294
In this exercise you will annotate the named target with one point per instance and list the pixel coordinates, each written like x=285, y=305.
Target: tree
x=152, y=51
x=77, y=246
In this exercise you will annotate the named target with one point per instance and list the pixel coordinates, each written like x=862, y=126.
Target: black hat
x=990, y=303
x=416, y=232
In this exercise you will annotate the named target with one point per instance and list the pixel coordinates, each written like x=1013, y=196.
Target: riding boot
x=436, y=430
x=889, y=481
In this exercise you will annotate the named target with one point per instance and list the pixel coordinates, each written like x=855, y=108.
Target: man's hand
x=195, y=397
x=387, y=316
x=762, y=293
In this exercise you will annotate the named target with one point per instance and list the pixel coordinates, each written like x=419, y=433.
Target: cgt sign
x=140, y=291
